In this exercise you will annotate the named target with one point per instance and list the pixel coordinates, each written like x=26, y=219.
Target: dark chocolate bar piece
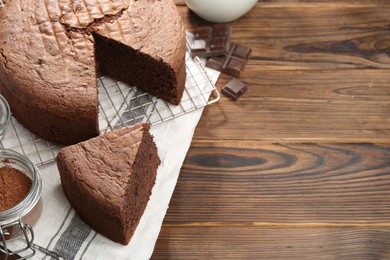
x=233, y=62
x=211, y=41
x=234, y=89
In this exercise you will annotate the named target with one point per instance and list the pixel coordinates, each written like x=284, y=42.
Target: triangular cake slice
x=108, y=179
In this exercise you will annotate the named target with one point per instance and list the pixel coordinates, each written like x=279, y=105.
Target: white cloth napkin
x=59, y=232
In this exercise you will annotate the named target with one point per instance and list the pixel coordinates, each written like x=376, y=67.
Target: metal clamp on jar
x=16, y=221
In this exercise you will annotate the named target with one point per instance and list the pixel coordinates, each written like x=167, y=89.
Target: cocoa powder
x=14, y=186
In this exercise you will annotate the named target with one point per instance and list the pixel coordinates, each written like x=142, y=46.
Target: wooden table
x=299, y=167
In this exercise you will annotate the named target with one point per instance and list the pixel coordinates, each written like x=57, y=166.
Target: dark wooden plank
x=312, y=38
x=322, y=3
x=257, y=242
x=293, y=38
x=283, y=183
x=317, y=105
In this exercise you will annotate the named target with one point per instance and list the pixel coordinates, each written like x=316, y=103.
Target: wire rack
x=121, y=105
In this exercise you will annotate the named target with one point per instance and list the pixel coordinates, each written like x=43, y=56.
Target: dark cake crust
x=47, y=59
x=108, y=179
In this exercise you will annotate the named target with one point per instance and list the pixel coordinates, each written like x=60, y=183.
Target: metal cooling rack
x=121, y=105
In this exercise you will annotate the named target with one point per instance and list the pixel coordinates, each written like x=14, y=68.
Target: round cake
x=51, y=53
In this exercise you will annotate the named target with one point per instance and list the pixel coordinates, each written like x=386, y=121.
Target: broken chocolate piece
x=233, y=62
x=234, y=89
x=211, y=41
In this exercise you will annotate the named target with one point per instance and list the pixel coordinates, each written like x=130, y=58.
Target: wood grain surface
x=251, y=242
x=299, y=166
x=284, y=183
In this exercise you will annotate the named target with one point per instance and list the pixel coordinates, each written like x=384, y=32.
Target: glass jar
x=17, y=222
x=5, y=115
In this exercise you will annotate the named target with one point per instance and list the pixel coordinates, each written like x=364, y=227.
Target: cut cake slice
x=108, y=179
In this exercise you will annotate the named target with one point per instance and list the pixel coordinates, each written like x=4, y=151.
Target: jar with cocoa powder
x=18, y=215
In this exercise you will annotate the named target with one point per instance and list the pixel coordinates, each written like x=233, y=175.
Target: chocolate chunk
x=211, y=41
x=233, y=62
x=234, y=89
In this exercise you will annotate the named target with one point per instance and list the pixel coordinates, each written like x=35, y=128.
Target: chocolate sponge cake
x=52, y=51
x=108, y=179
